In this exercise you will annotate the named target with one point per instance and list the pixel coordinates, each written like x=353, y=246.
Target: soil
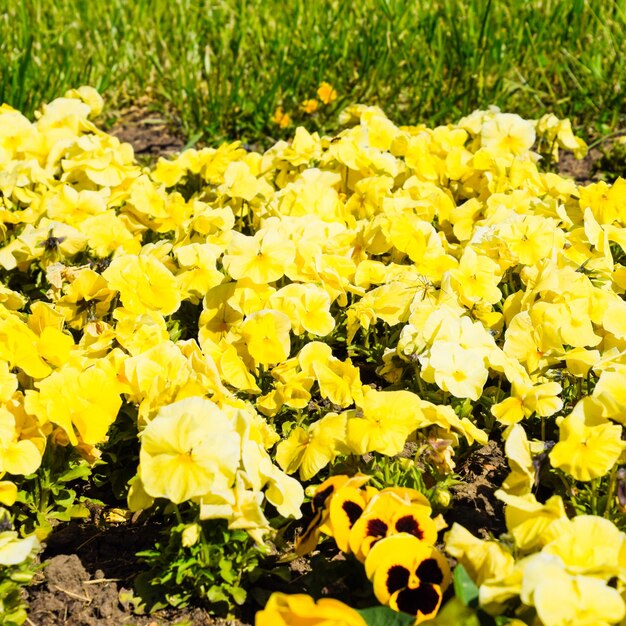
x=87, y=580
x=474, y=504
x=89, y=567
x=152, y=134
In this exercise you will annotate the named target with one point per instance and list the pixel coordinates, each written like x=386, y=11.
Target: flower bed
x=259, y=352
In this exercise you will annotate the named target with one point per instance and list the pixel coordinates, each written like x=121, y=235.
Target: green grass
x=223, y=66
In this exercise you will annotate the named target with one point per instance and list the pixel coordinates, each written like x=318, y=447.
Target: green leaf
x=384, y=616
x=216, y=594
x=455, y=613
x=239, y=595
x=80, y=471
x=464, y=587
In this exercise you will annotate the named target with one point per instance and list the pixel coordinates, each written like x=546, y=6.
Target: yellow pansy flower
x=280, y=118
x=266, y=336
x=144, y=284
x=85, y=398
x=190, y=448
x=326, y=93
x=589, y=445
x=507, y=134
x=385, y=421
x=299, y=609
x=408, y=575
x=484, y=561
x=262, y=258
x=527, y=519
x=310, y=449
x=388, y=514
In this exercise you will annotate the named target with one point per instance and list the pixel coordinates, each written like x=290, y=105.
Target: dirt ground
x=90, y=566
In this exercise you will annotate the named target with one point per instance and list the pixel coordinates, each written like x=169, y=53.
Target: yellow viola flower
x=339, y=381
x=563, y=600
x=144, y=284
x=49, y=242
x=507, y=134
x=527, y=519
x=476, y=279
x=218, y=318
x=83, y=400
x=241, y=182
x=262, y=258
x=532, y=340
x=485, y=561
x=520, y=458
x=18, y=456
x=280, y=118
x=198, y=270
x=589, y=445
x=189, y=449
x=408, y=575
x=447, y=365
x=231, y=366
x=266, y=336
x=137, y=497
x=602, y=552
x=526, y=400
x=102, y=159
x=558, y=134
x=611, y=394
x=309, y=106
x=138, y=333
x=294, y=393
x=310, y=449
x=326, y=93
x=86, y=299
x=108, y=233
x=384, y=422
x=307, y=306
x=299, y=609
x=528, y=240
x=604, y=200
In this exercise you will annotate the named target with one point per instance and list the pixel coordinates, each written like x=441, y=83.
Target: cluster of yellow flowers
x=565, y=568
x=488, y=279
x=326, y=94
x=392, y=533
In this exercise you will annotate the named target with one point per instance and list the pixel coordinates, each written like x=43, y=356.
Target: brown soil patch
x=474, y=503
x=150, y=133
x=88, y=576
x=581, y=170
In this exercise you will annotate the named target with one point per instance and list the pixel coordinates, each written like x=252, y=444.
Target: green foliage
x=612, y=163
x=225, y=66
x=464, y=587
x=203, y=562
x=12, y=607
x=51, y=493
x=384, y=616
x=12, y=579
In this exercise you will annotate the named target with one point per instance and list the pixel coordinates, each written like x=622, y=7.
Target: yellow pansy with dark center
x=346, y=507
x=408, y=575
x=388, y=514
x=321, y=504
x=425, y=598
